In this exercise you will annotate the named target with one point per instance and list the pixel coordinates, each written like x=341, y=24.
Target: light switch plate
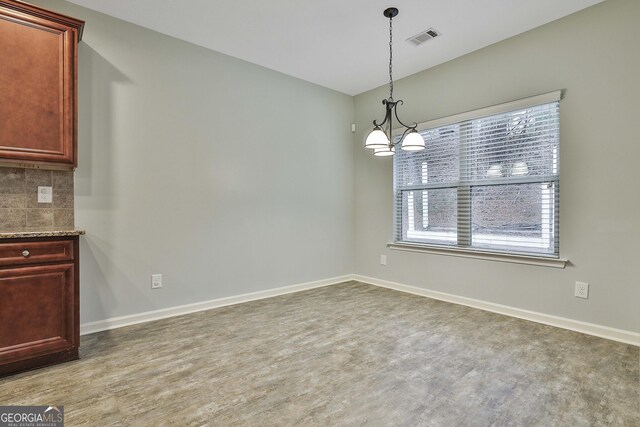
x=45, y=194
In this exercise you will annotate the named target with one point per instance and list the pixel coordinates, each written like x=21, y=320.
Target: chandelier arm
x=387, y=115
x=406, y=131
x=395, y=111
x=379, y=125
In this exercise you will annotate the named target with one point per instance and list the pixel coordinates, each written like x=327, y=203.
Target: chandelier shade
x=377, y=139
x=413, y=141
x=385, y=151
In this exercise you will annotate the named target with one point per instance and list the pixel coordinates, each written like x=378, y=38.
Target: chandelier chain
x=391, y=58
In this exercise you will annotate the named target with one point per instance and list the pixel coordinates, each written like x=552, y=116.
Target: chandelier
x=381, y=139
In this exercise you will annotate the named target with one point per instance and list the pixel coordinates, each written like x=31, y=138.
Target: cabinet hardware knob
x=25, y=253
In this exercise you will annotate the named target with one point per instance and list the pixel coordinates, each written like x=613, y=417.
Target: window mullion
x=464, y=215
x=464, y=194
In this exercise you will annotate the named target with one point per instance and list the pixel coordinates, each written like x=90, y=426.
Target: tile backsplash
x=19, y=207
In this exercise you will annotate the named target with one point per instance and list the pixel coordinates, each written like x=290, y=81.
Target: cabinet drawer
x=35, y=252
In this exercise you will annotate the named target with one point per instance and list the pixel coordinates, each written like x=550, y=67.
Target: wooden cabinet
x=39, y=306
x=38, y=85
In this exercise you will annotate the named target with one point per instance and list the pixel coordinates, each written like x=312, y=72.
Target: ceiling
x=339, y=44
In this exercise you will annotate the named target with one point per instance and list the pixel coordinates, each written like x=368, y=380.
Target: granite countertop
x=40, y=233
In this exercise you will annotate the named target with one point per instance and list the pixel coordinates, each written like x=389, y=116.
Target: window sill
x=491, y=256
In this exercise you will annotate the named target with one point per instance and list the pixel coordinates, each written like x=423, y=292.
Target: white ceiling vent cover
x=424, y=36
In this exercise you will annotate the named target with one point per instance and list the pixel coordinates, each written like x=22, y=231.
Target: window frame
x=457, y=249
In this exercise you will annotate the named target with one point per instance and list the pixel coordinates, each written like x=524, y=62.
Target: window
x=488, y=180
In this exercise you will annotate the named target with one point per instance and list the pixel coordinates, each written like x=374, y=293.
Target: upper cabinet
x=38, y=85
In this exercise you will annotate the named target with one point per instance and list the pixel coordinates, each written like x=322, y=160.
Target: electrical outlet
x=582, y=290
x=383, y=260
x=156, y=281
x=45, y=194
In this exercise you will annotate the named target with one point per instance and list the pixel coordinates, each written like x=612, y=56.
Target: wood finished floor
x=349, y=354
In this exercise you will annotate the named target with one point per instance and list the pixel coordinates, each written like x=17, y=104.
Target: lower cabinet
x=39, y=306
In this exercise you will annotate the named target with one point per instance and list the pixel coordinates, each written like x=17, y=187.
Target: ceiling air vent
x=422, y=37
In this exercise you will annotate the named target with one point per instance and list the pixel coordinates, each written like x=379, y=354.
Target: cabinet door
x=37, y=86
x=38, y=306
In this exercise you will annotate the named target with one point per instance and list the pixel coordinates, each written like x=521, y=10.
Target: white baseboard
x=148, y=316
x=614, y=334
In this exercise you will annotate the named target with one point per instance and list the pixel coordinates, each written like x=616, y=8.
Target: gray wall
x=225, y=177
x=594, y=56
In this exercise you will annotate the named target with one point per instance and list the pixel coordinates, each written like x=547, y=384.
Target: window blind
x=489, y=182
